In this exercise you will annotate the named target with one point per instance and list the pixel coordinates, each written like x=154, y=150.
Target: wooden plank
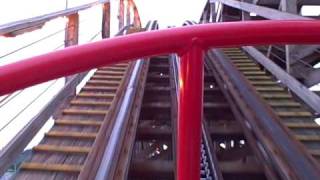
x=66, y=122
x=262, y=11
x=104, y=83
x=62, y=149
x=283, y=104
x=308, y=137
x=77, y=135
x=36, y=21
x=71, y=111
x=51, y=167
x=12, y=150
x=72, y=30
x=89, y=103
x=96, y=95
x=309, y=97
x=294, y=114
x=269, y=95
x=304, y=125
x=106, y=21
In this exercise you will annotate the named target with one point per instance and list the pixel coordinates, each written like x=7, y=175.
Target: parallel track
x=153, y=151
x=294, y=115
x=235, y=158
x=65, y=148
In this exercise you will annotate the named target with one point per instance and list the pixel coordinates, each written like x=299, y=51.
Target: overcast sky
x=90, y=24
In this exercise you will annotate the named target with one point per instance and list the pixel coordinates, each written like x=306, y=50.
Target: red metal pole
x=190, y=113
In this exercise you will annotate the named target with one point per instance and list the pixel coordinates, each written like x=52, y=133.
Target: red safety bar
x=189, y=42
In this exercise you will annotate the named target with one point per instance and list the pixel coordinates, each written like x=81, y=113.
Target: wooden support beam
x=128, y=13
x=121, y=14
x=106, y=21
x=136, y=17
x=71, y=36
x=309, y=97
x=265, y=12
x=37, y=22
x=150, y=169
x=240, y=167
x=72, y=30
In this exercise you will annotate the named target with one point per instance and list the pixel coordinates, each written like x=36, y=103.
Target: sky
x=90, y=24
x=90, y=21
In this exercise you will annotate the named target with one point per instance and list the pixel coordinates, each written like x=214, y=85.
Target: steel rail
x=189, y=42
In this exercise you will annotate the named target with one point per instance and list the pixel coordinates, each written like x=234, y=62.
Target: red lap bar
x=190, y=113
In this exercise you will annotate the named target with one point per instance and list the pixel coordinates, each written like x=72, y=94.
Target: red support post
x=190, y=113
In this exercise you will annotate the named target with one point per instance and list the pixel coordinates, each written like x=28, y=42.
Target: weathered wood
x=106, y=21
x=62, y=149
x=136, y=17
x=26, y=24
x=240, y=167
x=51, y=167
x=77, y=135
x=85, y=112
x=128, y=14
x=159, y=169
x=66, y=122
x=12, y=150
x=265, y=12
x=121, y=14
x=72, y=30
x=309, y=97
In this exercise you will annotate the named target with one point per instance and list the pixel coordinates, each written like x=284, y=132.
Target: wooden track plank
x=263, y=83
x=103, y=82
x=270, y=89
x=241, y=68
x=275, y=96
x=308, y=137
x=89, y=103
x=77, y=122
x=77, y=135
x=294, y=114
x=255, y=73
x=99, y=88
x=96, y=95
x=62, y=149
x=51, y=167
x=284, y=104
x=303, y=125
x=71, y=111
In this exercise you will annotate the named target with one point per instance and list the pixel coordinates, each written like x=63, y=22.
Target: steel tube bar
x=190, y=113
x=85, y=57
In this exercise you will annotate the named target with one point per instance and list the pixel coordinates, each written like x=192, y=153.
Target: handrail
x=189, y=42
x=40, y=20
x=84, y=57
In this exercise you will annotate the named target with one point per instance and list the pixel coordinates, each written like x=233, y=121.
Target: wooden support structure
x=72, y=30
x=136, y=17
x=72, y=35
x=265, y=12
x=310, y=98
x=27, y=25
x=106, y=21
x=121, y=14
x=128, y=13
